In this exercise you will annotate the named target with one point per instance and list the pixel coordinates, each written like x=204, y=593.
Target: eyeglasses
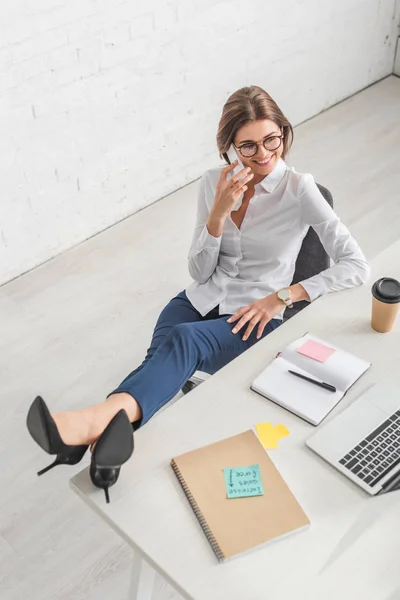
x=251, y=148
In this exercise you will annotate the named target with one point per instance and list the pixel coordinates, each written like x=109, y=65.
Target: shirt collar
x=270, y=182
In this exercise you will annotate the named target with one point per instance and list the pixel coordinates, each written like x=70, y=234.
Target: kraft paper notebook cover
x=235, y=525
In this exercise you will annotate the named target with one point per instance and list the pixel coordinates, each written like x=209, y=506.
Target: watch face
x=284, y=294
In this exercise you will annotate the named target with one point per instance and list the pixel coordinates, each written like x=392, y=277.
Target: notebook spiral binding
x=204, y=525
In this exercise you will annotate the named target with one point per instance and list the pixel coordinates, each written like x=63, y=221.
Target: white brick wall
x=107, y=106
x=396, y=66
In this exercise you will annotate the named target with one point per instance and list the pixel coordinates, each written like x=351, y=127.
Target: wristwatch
x=286, y=296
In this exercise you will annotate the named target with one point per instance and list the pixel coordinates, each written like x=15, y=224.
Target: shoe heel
x=53, y=464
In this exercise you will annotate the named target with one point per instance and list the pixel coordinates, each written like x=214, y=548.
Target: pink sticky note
x=315, y=350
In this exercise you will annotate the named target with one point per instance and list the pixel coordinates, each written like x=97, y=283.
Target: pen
x=326, y=386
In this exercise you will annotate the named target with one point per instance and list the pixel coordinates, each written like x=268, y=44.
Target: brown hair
x=246, y=105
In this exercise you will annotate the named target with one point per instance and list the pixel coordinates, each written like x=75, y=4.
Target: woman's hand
x=228, y=192
x=260, y=311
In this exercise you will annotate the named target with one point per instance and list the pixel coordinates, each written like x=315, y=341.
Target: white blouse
x=246, y=264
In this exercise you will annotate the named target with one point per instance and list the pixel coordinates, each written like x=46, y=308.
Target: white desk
x=351, y=550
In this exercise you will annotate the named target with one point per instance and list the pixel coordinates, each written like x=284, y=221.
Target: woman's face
x=264, y=161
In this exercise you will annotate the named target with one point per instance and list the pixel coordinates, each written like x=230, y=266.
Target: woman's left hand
x=260, y=311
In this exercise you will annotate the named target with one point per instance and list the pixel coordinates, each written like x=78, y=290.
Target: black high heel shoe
x=44, y=431
x=113, y=448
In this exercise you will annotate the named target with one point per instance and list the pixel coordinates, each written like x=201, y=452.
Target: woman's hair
x=246, y=105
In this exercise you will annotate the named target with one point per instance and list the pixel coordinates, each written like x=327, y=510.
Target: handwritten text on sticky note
x=315, y=350
x=243, y=481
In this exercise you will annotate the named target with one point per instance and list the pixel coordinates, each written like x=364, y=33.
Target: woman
x=249, y=231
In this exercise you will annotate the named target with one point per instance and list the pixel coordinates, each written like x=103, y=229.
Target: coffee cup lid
x=387, y=290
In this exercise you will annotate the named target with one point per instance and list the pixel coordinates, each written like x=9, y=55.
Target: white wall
x=396, y=66
x=107, y=106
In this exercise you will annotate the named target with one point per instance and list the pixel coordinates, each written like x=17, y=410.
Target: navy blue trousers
x=184, y=342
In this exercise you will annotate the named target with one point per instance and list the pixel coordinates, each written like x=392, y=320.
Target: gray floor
x=71, y=329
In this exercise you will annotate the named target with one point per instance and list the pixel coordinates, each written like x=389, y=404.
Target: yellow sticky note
x=269, y=434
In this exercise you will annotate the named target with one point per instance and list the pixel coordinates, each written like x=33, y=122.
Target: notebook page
x=300, y=397
x=341, y=369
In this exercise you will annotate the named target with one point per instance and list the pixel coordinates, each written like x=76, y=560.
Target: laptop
x=363, y=442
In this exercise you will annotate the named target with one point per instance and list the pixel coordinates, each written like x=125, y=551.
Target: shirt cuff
x=314, y=286
x=206, y=240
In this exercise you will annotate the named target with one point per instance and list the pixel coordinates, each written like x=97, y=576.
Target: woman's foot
x=68, y=435
x=86, y=425
x=74, y=427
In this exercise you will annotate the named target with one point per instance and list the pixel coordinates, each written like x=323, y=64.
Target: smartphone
x=230, y=158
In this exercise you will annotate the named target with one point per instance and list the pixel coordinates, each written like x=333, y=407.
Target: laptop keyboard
x=373, y=457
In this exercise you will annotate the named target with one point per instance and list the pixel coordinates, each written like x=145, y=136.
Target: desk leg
x=142, y=579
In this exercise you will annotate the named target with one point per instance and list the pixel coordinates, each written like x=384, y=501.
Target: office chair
x=311, y=260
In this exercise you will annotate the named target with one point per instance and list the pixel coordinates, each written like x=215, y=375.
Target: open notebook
x=330, y=364
x=235, y=525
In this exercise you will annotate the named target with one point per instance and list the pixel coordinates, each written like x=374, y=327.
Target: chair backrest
x=312, y=258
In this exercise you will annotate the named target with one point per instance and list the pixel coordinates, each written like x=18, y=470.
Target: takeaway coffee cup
x=385, y=303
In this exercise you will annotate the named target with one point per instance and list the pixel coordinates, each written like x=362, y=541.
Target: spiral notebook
x=235, y=525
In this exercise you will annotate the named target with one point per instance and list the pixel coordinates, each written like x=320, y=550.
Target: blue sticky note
x=243, y=481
